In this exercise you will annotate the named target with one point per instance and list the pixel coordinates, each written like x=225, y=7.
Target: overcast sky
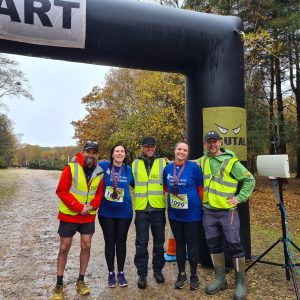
x=57, y=87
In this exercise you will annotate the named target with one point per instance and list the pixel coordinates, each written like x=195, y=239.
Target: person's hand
x=167, y=160
x=74, y=159
x=85, y=210
x=89, y=207
x=181, y=197
x=233, y=201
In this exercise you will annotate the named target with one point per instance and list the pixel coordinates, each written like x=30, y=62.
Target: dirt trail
x=29, y=244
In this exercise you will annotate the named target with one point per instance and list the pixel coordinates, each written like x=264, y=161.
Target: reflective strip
x=141, y=184
x=140, y=195
x=203, y=161
x=223, y=167
x=74, y=190
x=75, y=174
x=161, y=167
x=153, y=193
x=150, y=181
x=82, y=193
x=136, y=170
x=98, y=170
x=156, y=193
x=78, y=192
x=222, y=194
x=205, y=189
x=155, y=181
x=221, y=181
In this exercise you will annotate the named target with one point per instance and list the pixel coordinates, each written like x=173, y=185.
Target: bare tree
x=12, y=80
x=174, y=3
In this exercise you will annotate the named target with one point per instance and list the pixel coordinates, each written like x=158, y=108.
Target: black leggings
x=115, y=236
x=186, y=235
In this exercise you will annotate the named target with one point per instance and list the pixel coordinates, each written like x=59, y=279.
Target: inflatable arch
x=206, y=48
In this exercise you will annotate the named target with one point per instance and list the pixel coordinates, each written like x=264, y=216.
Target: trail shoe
x=82, y=288
x=159, y=277
x=58, y=293
x=142, y=282
x=181, y=278
x=112, y=282
x=220, y=282
x=121, y=279
x=194, y=282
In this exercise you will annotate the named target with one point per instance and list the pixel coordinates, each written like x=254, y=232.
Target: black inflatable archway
x=207, y=49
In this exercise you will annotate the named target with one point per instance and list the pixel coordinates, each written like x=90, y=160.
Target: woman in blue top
x=115, y=213
x=184, y=183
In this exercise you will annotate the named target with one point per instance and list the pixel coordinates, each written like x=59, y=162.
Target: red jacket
x=70, y=201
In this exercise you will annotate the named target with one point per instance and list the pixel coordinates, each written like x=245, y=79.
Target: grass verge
x=9, y=179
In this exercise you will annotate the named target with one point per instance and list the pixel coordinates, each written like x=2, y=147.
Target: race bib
x=179, y=201
x=109, y=193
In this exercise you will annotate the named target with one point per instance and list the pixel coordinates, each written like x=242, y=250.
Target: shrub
x=3, y=163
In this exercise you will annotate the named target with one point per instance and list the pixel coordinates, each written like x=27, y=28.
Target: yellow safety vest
x=80, y=189
x=218, y=188
x=148, y=188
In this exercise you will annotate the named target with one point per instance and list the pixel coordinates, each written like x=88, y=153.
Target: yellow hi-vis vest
x=218, y=188
x=148, y=188
x=80, y=189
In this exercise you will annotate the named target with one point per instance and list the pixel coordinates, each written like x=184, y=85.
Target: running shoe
x=58, y=293
x=82, y=288
x=122, y=281
x=159, y=277
x=194, y=282
x=181, y=278
x=142, y=282
x=112, y=282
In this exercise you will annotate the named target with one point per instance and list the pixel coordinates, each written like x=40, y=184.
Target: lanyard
x=176, y=178
x=115, y=176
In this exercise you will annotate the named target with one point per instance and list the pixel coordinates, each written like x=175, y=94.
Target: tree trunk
x=298, y=134
x=273, y=139
x=295, y=85
x=282, y=143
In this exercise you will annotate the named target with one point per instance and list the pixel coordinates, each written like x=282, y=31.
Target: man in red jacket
x=80, y=191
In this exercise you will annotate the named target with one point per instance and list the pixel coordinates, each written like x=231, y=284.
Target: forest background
x=134, y=103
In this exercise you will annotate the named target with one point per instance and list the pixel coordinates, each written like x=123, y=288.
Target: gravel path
x=29, y=245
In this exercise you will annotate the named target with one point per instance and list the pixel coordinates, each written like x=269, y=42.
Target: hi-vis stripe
x=150, y=181
x=223, y=194
x=160, y=181
x=218, y=179
x=75, y=179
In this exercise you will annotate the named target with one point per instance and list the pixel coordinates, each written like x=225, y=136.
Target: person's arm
x=240, y=173
x=95, y=203
x=199, y=181
x=165, y=184
x=130, y=177
x=63, y=191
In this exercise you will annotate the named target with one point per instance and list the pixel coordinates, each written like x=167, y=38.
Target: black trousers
x=144, y=221
x=186, y=235
x=115, y=231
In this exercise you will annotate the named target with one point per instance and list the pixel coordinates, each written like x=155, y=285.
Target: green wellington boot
x=220, y=282
x=240, y=282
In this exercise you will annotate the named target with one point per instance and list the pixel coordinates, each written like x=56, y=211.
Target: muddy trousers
x=187, y=237
x=145, y=220
x=226, y=222
x=115, y=231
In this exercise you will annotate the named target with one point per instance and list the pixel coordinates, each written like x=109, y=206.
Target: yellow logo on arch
x=230, y=123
